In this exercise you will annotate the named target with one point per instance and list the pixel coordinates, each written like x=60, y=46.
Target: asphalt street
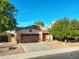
x=68, y=55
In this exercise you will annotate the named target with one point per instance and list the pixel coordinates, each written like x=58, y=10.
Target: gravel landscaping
x=17, y=50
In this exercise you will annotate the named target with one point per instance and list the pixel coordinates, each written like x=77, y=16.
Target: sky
x=46, y=10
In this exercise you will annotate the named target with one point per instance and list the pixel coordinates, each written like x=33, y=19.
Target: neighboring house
x=31, y=33
x=49, y=26
x=3, y=38
x=11, y=36
x=7, y=36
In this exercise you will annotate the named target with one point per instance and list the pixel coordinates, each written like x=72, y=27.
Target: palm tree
x=39, y=23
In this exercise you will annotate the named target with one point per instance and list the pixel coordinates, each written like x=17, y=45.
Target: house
x=31, y=33
x=53, y=22
x=11, y=36
x=49, y=26
x=8, y=36
x=3, y=37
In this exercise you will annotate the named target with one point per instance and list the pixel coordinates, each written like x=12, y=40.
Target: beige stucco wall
x=12, y=39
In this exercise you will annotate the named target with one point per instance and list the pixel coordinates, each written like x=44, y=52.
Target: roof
x=30, y=27
x=43, y=29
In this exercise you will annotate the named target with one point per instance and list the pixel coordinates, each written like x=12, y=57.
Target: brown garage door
x=27, y=38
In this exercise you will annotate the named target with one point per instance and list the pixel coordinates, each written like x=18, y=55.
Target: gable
x=31, y=29
x=28, y=30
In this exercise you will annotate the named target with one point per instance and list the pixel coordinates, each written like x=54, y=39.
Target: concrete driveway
x=33, y=47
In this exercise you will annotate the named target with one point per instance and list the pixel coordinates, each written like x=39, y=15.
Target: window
x=30, y=30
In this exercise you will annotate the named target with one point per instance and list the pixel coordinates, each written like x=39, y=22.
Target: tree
x=39, y=23
x=65, y=28
x=7, y=20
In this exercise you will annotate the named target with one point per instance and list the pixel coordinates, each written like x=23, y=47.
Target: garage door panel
x=27, y=38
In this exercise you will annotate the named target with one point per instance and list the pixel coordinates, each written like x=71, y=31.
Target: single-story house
x=31, y=33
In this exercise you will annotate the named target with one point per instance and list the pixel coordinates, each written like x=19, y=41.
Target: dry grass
x=76, y=44
x=59, y=44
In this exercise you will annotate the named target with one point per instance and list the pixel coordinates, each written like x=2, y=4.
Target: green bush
x=65, y=28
